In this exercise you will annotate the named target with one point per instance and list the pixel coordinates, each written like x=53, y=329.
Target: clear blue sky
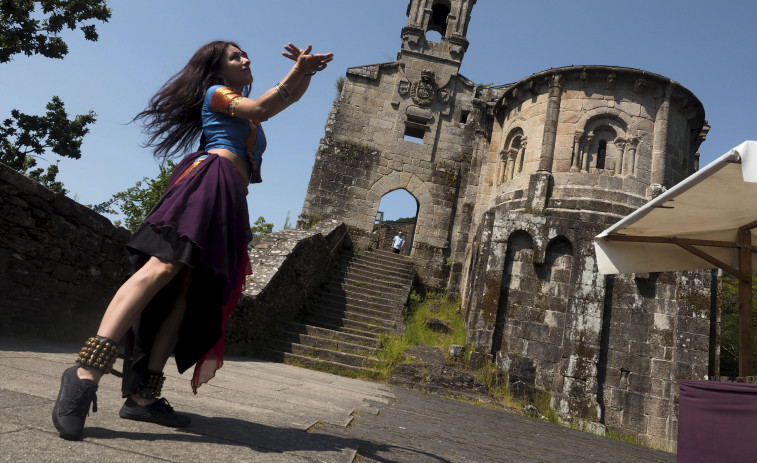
x=708, y=47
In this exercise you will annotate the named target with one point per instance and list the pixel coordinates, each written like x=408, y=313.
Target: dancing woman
x=188, y=259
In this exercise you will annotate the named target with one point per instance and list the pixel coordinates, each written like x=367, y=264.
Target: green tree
x=25, y=138
x=136, y=202
x=261, y=228
x=20, y=32
x=288, y=222
x=33, y=27
x=480, y=87
x=729, y=325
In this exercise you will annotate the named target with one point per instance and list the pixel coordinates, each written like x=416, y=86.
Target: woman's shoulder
x=219, y=98
x=215, y=88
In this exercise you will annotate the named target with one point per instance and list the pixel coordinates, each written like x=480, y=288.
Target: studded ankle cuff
x=98, y=353
x=151, y=385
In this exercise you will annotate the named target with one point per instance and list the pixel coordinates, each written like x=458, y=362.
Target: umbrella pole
x=746, y=341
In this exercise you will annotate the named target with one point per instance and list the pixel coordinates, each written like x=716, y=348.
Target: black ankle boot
x=159, y=412
x=72, y=406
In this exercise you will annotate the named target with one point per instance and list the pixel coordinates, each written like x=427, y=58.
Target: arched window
x=438, y=21
x=511, y=161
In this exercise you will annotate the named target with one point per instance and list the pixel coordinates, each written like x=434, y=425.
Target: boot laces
x=85, y=394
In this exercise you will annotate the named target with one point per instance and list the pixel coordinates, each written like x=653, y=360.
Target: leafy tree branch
x=25, y=138
x=22, y=32
x=136, y=202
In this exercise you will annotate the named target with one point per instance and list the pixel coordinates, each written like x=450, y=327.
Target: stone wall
x=60, y=263
x=608, y=350
x=572, y=151
x=287, y=267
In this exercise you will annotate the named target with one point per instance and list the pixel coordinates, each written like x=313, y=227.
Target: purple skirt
x=202, y=221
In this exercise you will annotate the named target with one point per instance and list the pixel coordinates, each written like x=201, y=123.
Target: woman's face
x=235, y=68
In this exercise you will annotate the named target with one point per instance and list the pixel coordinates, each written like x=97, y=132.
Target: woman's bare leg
x=168, y=334
x=130, y=300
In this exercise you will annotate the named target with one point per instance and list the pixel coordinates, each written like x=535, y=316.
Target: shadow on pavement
x=259, y=438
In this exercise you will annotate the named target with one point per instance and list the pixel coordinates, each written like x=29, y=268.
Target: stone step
x=329, y=355
x=340, y=323
x=328, y=343
x=365, y=281
x=335, y=335
x=388, y=260
x=330, y=325
x=361, y=294
x=370, y=271
x=363, y=318
x=338, y=296
x=391, y=299
x=386, y=255
x=391, y=315
x=324, y=365
x=377, y=267
x=342, y=330
x=375, y=278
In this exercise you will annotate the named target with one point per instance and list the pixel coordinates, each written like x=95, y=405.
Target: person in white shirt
x=398, y=243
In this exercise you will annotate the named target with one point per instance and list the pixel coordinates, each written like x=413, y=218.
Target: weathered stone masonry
x=512, y=184
x=59, y=262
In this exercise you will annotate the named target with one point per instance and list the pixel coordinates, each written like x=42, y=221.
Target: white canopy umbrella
x=706, y=221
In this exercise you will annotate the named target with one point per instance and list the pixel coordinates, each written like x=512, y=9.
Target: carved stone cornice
x=703, y=133
x=641, y=84
x=583, y=79
x=458, y=45
x=611, y=80
x=556, y=80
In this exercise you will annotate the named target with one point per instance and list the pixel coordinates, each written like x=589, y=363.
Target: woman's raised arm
x=291, y=87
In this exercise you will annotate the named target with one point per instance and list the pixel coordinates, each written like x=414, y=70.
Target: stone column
x=550, y=124
x=576, y=164
x=660, y=144
x=522, y=154
x=630, y=157
x=620, y=143
x=587, y=144
x=501, y=167
x=510, y=168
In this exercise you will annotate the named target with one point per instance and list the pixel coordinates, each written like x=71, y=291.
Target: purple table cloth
x=717, y=422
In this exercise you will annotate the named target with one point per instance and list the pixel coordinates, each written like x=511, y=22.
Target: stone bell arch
x=406, y=124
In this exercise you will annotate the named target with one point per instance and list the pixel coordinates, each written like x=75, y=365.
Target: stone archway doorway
x=398, y=210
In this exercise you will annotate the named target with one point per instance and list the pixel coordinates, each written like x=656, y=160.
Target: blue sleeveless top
x=221, y=129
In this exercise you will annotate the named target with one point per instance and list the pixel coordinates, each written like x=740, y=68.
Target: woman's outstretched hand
x=307, y=62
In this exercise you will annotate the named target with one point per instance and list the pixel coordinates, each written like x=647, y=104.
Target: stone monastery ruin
x=512, y=183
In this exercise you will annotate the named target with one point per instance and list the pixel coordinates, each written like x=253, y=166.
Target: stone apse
x=512, y=183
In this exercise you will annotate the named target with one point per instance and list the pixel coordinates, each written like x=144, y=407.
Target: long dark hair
x=172, y=119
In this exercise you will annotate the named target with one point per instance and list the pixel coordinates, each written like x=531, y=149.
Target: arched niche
x=510, y=162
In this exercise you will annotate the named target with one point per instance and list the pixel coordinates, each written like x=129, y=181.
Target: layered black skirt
x=201, y=221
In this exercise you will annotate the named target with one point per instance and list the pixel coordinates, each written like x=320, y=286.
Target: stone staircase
x=341, y=332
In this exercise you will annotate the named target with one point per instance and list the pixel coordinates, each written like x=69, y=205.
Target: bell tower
x=450, y=18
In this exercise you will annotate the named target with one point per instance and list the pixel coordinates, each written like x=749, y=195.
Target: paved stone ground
x=420, y=428
x=257, y=411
